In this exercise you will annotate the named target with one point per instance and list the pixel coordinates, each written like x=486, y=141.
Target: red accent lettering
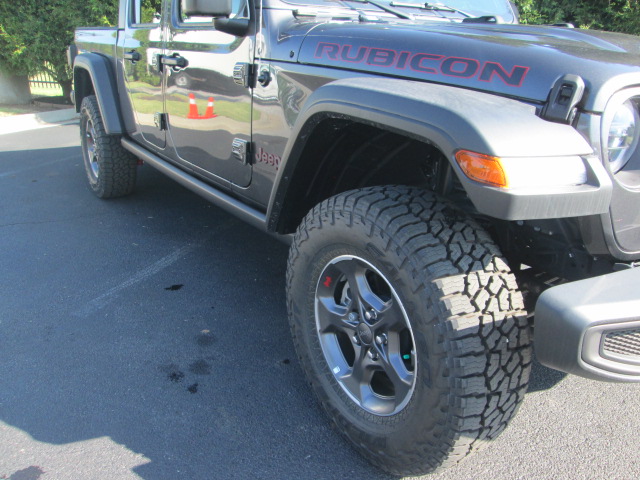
x=513, y=78
x=418, y=58
x=346, y=50
x=267, y=158
x=331, y=49
x=402, y=59
x=451, y=66
x=327, y=282
x=381, y=57
x=430, y=63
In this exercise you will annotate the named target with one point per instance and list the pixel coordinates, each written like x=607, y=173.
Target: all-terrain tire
x=399, y=280
x=111, y=170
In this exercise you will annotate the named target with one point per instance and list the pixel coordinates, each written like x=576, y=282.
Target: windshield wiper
x=386, y=8
x=434, y=7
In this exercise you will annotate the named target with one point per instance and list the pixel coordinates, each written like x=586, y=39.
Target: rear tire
x=409, y=326
x=111, y=170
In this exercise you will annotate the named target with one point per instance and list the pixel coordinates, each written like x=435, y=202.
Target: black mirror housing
x=235, y=26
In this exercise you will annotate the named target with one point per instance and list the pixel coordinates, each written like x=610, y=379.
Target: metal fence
x=43, y=80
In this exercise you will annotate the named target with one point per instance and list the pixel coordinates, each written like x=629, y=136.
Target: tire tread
x=485, y=330
x=117, y=166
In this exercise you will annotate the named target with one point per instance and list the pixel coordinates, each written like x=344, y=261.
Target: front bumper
x=536, y=202
x=591, y=328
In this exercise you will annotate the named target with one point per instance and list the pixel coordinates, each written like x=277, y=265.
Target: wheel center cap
x=365, y=334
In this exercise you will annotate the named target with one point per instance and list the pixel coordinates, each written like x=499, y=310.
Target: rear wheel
x=111, y=170
x=183, y=80
x=409, y=326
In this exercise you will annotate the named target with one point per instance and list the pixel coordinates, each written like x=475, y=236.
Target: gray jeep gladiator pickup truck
x=432, y=167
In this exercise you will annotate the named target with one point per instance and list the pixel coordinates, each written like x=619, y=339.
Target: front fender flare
x=103, y=79
x=449, y=118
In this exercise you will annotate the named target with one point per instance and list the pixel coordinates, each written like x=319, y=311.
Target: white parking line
x=101, y=301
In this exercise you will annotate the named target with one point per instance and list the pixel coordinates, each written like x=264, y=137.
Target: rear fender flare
x=104, y=86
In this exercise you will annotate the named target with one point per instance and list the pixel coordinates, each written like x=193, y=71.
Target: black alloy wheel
x=365, y=335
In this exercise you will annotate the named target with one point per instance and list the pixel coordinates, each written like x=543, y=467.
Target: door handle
x=133, y=56
x=175, y=61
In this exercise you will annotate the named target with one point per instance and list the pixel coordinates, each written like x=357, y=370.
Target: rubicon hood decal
x=423, y=63
x=514, y=60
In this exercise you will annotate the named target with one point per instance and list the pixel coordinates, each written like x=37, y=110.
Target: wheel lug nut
x=373, y=355
x=381, y=339
x=370, y=315
x=356, y=339
x=353, y=317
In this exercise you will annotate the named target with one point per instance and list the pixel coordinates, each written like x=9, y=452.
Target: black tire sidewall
x=388, y=432
x=470, y=332
x=117, y=168
x=89, y=113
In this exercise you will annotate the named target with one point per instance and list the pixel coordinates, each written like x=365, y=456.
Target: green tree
x=613, y=15
x=35, y=34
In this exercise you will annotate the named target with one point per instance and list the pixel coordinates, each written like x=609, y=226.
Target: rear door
x=208, y=113
x=142, y=43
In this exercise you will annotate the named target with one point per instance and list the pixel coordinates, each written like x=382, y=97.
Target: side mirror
x=235, y=26
x=206, y=8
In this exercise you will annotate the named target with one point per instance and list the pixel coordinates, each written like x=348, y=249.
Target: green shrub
x=35, y=34
x=613, y=15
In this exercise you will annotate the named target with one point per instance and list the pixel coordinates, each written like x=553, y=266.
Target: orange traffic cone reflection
x=209, y=112
x=193, y=109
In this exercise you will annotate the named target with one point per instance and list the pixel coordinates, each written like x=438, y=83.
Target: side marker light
x=482, y=168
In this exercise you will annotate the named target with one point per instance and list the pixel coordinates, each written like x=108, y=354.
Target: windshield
x=458, y=9
x=501, y=8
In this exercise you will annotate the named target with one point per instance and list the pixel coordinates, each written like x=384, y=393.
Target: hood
x=514, y=60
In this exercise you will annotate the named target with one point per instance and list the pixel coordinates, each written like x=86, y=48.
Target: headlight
x=622, y=125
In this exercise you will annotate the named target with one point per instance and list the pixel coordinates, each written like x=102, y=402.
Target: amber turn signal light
x=482, y=168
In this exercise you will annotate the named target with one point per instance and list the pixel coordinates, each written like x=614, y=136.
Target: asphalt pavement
x=146, y=337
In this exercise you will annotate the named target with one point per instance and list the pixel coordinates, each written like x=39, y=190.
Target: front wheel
x=409, y=326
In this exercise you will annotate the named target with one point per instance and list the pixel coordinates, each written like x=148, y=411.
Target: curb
x=32, y=121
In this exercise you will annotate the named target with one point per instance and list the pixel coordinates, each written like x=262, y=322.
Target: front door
x=207, y=112
x=142, y=43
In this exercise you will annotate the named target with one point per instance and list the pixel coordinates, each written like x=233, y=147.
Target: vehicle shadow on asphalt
x=543, y=378
x=158, y=321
